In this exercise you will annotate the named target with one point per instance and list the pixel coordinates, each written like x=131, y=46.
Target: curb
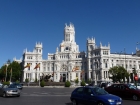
x=50, y=87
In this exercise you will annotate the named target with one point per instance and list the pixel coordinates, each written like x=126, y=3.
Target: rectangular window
x=48, y=69
x=56, y=76
x=44, y=69
x=91, y=66
x=52, y=68
x=106, y=65
x=126, y=66
x=76, y=74
x=91, y=74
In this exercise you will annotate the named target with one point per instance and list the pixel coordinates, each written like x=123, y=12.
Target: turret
x=38, y=48
x=91, y=44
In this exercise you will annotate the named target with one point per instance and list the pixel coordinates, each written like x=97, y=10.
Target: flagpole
x=6, y=73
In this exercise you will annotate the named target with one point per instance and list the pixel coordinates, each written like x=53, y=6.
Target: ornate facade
x=68, y=63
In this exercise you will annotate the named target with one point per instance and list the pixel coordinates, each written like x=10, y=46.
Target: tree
x=16, y=71
x=8, y=61
x=3, y=72
x=118, y=73
x=83, y=83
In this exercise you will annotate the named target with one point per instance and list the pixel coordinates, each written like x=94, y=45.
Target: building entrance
x=63, y=77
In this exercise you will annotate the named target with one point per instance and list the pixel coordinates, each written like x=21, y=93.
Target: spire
x=108, y=44
x=100, y=44
x=57, y=49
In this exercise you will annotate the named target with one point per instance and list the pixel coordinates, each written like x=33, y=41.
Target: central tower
x=69, y=33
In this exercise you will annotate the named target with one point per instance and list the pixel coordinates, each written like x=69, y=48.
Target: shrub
x=6, y=83
x=17, y=81
x=67, y=84
x=83, y=83
x=42, y=83
x=89, y=81
x=76, y=81
x=36, y=80
x=26, y=80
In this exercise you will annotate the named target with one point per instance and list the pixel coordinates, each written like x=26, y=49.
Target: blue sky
x=25, y=22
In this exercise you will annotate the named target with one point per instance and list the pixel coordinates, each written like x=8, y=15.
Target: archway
x=63, y=73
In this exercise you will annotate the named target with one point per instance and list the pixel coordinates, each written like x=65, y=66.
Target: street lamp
x=135, y=76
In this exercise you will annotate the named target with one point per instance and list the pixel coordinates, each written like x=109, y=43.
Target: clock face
x=67, y=48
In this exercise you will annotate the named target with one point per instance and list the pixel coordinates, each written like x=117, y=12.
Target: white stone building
x=68, y=63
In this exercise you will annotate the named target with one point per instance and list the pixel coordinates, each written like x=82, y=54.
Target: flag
x=76, y=68
x=82, y=72
x=28, y=65
x=37, y=66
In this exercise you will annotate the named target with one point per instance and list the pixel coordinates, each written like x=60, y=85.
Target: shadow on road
x=69, y=103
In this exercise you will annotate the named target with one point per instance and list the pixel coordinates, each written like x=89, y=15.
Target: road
x=46, y=96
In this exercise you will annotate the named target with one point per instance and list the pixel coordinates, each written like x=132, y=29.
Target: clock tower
x=69, y=44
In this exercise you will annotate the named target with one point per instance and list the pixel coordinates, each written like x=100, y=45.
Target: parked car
x=127, y=91
x=105, y=84
x=6, y=90
x=90, y=95
x=138, y=85
x=1, y=85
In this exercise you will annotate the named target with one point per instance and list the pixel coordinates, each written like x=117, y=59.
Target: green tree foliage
x=2, y=72
x=118, y=73
x=26, y=80
x=16, y=71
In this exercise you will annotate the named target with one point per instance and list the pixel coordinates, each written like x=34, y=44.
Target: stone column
x=50, y=67
x=79, y=76
x=102, y=75
x=68, y=76
x=58, y=76
x=88, y=69
x=95, y=78
x=24, y=77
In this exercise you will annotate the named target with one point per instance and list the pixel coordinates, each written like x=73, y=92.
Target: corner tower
x=38, y=48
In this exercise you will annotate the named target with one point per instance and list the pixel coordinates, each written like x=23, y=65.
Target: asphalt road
x=46, y=96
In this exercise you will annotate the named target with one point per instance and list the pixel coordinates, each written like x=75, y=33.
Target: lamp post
x=135, y=76
x=39, y=78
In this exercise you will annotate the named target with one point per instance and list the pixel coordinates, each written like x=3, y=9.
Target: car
x=1, y=84
x=16, y=85
x=6, y=91
x=138, y=85
x=126, y=91
x=90, y=95
x=105, y=84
